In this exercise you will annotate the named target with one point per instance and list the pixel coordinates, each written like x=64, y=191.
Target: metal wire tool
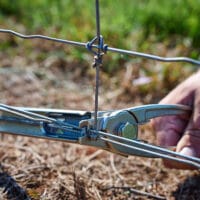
x=115, y=131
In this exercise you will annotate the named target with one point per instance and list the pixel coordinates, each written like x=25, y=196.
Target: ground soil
x=40, y=169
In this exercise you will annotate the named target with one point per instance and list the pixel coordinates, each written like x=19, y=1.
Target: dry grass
x=55, y=170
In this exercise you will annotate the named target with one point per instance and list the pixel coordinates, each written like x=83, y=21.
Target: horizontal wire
x=111, y=49
x=154, y=57
x=42, y=37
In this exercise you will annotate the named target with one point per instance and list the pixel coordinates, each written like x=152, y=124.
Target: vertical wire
x=96, y=96
x=97, y=66
x=98, y=21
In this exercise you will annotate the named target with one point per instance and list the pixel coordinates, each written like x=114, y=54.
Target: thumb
x=189, y=144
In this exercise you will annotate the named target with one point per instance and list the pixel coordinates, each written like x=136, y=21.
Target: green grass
x=128, y=24
x=74, y=19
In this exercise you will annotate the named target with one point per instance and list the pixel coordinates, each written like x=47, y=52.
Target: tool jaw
x=120, y=123
x=125, y=122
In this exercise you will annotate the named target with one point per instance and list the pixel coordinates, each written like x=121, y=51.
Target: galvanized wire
x=97, y=63
x=104, y=48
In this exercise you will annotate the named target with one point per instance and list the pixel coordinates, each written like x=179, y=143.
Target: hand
x=182, y=131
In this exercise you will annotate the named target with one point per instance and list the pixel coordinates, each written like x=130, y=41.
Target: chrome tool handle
x=125, y=122
x=146, y=112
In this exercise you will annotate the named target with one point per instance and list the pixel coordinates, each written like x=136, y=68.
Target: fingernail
x=188, y=151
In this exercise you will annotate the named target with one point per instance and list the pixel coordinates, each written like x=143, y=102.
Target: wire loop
x=91, y=44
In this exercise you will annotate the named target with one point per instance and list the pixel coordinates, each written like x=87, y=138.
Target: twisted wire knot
x=101, y=49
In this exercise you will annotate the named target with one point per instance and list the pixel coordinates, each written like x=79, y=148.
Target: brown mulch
x=57, y=170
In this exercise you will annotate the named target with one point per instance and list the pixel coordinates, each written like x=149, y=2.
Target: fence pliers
x=116, y=131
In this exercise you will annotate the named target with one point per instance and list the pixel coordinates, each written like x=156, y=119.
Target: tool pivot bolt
x=128, y=131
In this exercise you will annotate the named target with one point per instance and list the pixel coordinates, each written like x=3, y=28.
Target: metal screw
x=128, y=131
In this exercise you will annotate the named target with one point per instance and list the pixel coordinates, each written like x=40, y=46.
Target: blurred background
x=46, y=74
x=165, y=28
